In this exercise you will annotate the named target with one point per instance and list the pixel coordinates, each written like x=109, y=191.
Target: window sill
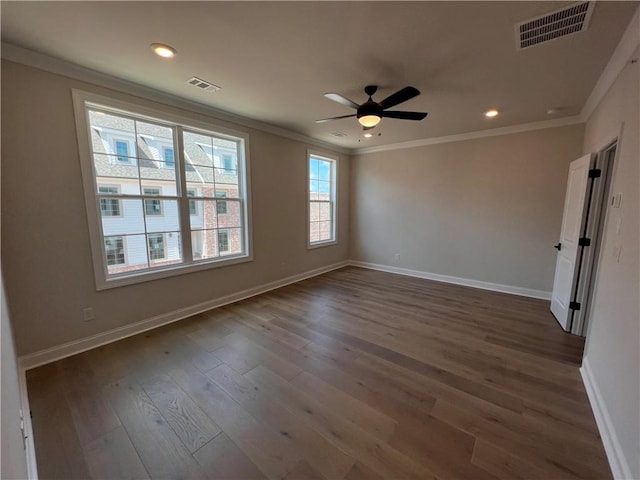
x=328, y=243
x=166, y=272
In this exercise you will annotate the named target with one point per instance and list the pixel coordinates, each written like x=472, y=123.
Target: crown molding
x=494, y=132
x=47, y=63
x=621, y=55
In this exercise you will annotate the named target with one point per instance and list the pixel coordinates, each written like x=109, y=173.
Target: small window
x=221, y=206
x=169, y=159
x=156, y=246
x=322, y=200
x=223, y=241
x=114, y=250
x=152, y=207
x=193, y=207
x=109, y=207
x=122, y=151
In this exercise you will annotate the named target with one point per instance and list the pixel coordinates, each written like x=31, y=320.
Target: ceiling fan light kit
x=371, y=112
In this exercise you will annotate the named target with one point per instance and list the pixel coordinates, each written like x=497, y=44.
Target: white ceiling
x=274, y=60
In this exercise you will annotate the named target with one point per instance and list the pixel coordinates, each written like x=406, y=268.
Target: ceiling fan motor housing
x=369, y=108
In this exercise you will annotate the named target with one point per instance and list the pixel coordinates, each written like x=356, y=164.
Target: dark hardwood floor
x=354, y=374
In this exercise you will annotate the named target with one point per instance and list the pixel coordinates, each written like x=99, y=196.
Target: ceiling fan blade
x=336, y=97
x=323, y=120
x=400, y=96
x=405, y=115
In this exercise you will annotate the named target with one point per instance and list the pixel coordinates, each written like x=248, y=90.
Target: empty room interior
x=320, y=240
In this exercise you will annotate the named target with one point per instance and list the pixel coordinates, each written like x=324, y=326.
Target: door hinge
x=574, y=305
x=584, y=242
x=595, y=173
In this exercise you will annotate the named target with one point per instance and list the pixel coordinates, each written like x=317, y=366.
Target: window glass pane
x=325, y=211
x=314, y=188
x=125, y=253
x=130, y=220
x=153, y=172
x=164, y=248
x=207, y=217
x=314, y=232
x=166, y=220
x=107, y=168
x=233, y=244
x=313, y=168
x=227, y=191
x=228, y=177
x=314, y=211
x=324, y=171
x=204, y=244
x=231, y=215
x=198, y=149
x=324, y=231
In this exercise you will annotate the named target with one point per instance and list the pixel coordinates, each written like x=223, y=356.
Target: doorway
x=597, y=207
x=583, y=223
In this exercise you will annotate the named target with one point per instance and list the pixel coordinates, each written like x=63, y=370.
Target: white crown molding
x=494, y=132
x=467, y=282
x=621, y=55
x=41, y=61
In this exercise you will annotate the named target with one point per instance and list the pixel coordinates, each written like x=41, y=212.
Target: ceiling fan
x=371, y=112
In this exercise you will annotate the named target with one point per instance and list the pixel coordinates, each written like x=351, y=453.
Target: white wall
x=45, y=238
x=487, y=209
x=13, y=462
x=612, y=358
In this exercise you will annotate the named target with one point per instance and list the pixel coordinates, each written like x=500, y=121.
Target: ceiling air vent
x=559, y=23
x=338, y=134
x=203, y=84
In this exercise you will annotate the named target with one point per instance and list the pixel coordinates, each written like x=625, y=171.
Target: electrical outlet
x=87, y=314
x=397, y=257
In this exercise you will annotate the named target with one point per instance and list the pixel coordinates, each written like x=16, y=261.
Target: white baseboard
x=617, y=461
x=52, y=354
x=496, y=287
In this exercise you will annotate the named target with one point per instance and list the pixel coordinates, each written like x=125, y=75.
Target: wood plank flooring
x=355, y=374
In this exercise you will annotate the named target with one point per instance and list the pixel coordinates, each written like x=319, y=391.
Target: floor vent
x=203, y=84
x=559, y=23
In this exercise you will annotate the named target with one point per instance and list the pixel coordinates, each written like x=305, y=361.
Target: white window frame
x=124, y=249
x=157, y=114
x=152, y=198
x=110, y=197
x=334, y=197
x=131, y=147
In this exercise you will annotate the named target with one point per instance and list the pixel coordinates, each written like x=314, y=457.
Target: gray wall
x=613, y=340
x=45, y=240
x=487, y=209
x=12, y=454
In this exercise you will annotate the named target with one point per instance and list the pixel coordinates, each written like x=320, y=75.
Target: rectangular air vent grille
x=572, y=19
x=203, y=84
x=339, y=134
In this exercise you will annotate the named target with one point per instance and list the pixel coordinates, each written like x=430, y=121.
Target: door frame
x=596, y=220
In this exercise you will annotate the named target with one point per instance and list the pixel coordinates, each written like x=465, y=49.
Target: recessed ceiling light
x=164, y=51
x=368, y=135
x=491, y=113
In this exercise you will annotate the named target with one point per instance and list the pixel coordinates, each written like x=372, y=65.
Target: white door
x=572, y=225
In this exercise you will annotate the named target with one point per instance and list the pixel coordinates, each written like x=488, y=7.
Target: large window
x=152, y=187
x=322, y=200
